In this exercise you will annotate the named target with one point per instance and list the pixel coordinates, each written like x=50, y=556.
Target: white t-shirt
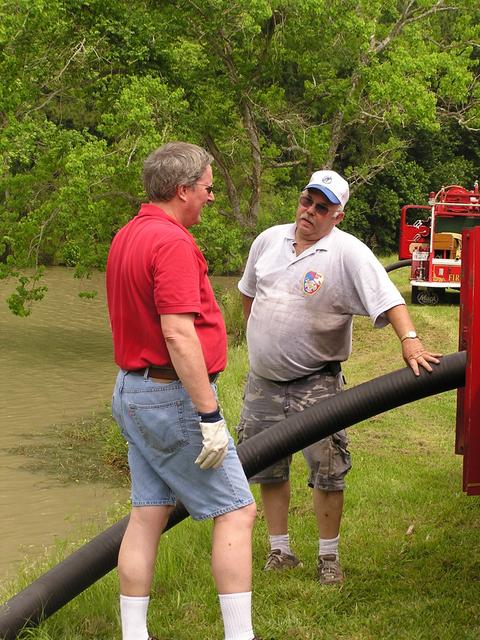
x=303, y=305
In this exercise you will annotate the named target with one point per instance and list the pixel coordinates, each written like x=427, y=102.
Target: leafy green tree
x=273, y=88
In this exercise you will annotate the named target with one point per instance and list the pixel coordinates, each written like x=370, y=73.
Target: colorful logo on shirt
x=312, y=282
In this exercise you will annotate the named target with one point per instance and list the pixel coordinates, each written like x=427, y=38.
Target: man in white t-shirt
x=302, y=285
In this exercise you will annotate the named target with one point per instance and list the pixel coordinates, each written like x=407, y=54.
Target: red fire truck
x=431, y=236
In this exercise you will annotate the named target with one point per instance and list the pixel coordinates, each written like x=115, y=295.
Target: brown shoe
x=329, y=570
x=277, y=560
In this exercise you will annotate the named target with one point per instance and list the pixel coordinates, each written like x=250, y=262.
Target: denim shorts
x=266, y=403
x=161, y=426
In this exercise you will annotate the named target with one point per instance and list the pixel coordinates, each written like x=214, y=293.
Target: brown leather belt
x=167, y=373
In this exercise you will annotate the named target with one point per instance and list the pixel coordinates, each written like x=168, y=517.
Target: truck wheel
x=415, y=295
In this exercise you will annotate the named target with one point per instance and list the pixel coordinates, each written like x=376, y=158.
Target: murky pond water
x=56, y=366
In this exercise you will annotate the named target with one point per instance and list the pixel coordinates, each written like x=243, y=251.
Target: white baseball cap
x=332, y=185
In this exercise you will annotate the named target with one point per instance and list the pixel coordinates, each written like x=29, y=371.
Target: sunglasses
x=320, y=209
x=208, y=187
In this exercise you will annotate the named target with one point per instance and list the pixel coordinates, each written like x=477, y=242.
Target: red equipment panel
x=468, y=397
x=448, y=273
x=412, y=232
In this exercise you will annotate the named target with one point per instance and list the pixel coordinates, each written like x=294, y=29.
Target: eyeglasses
x=208, y=187
x=320, y=209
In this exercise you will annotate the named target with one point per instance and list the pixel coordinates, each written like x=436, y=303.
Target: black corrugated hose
x=91, y=562
x=398, y=265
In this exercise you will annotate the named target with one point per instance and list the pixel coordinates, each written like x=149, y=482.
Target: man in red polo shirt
x=170, y=345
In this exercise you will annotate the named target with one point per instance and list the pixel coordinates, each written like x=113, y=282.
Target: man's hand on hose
x=416, y=356
x=215, y=440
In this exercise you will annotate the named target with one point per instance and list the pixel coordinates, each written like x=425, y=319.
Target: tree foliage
x=385, y=92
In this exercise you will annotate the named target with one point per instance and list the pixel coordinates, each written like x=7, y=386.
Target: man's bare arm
x=247, y=306
x=413, y=351
x=187, y=358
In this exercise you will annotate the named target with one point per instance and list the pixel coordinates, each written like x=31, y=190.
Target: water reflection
x=56, y=367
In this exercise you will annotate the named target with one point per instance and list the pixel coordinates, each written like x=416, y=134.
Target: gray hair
x=172, y=165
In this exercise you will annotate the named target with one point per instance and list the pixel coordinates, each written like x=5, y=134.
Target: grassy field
x=409, y=541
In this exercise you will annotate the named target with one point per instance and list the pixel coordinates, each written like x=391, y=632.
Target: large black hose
x=347, y=408
x=66, y=580
x=398, y=265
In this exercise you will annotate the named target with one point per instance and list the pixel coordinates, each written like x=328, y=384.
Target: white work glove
x=215, y=444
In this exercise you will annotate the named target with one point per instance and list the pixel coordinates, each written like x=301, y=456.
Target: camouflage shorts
x=267, y=403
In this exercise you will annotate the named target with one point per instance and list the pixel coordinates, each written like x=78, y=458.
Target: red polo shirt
x=154, y=267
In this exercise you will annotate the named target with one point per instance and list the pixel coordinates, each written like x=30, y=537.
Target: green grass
x=409, y=541
x=89, y=450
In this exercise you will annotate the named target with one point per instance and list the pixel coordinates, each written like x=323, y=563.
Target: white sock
x=328, y=546
x=281, y=542
x=237, y=615
x=133, y=613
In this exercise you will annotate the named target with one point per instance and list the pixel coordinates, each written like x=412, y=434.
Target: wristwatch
x=409, y=334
